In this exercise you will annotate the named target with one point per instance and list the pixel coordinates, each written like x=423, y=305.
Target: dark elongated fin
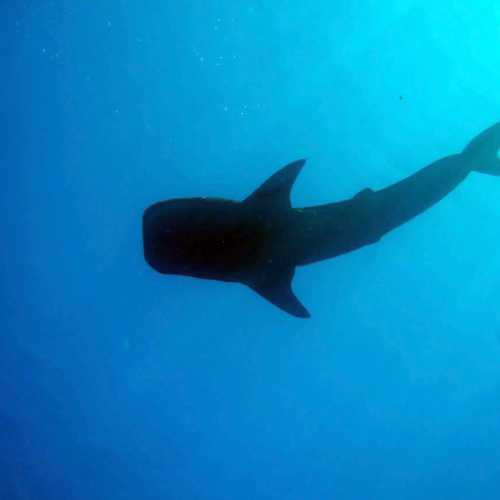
x=364, y=192
x=482, y=153
x=275, y=285
x=276, y=190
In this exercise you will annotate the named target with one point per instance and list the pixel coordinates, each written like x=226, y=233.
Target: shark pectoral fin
x=275, y=285
x=276, y=190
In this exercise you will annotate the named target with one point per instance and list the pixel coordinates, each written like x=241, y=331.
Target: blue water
x=119, y=383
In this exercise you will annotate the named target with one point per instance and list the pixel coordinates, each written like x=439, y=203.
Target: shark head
x=179, y=234
x=165, y=229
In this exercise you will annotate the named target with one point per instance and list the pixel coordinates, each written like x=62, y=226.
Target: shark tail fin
x=482, y=153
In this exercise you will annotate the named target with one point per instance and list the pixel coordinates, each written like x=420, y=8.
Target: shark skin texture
x=261, y=240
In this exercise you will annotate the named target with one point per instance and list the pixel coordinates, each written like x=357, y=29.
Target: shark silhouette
x=260, y=241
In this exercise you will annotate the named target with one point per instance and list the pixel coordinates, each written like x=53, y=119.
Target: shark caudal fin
x=483, y=151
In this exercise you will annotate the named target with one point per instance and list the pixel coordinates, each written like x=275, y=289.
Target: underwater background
x=119, y=383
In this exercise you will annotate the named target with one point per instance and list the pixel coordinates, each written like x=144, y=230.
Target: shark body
x=261, y=240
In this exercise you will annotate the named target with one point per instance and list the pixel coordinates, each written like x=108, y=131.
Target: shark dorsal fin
x=274, y=283
x=276, y=190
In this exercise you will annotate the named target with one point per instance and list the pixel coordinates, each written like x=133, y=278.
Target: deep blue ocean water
x=119, y=383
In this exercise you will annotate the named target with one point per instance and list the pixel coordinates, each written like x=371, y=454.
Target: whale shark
x=260, y=240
